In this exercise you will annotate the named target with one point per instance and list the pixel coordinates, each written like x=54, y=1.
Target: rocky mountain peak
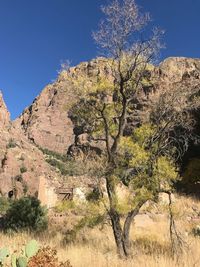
x=4, y=114
x=47, y=123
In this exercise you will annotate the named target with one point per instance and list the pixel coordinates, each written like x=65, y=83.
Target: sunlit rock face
x=21, y=163
x=4, y=114
x=177, y=69
x=48, y=124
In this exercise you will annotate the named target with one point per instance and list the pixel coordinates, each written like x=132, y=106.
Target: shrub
x=94, y=195
x=70, y=167
x=23, y=169
x=26, y=214
x=47, y=257
x=31, y=256
x=64, y=206
x=19, y=178
x=196, y=231
x=4, y=205
x=11, y=143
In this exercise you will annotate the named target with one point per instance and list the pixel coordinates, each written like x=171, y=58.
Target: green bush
x=26, y=214
x=94, y=195
x=196, y=231
x=11, y=143
x=4, y=205
x=23, y=169
x=68, y=168
x=64, y=206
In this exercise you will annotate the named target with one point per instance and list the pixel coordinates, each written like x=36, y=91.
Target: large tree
x=144, y=161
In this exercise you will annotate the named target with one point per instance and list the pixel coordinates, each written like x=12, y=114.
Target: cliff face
x=21, y=163
x=46, y=122
x=177, y=69
x=4, y=114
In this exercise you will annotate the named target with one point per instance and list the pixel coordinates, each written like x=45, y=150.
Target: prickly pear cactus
x=31, y=249
x=14, y=260
x=22, y=262
x=4, y=253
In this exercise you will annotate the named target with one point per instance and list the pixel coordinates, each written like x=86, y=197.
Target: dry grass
x=96, y=248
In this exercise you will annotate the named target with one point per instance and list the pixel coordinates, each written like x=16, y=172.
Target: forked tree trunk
x=122, y=236
x=118, y=233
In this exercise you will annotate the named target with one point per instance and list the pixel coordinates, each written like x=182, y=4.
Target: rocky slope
x=46, y=122
x=22, y=164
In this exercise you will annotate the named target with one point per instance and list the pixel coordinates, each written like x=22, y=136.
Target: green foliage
x=14, y=260
x=65, y=164
x=19, y=178
x=64, y=206
x=93, y=214
x=54, y=154
x=23, y=169
x=94, y=195
x=22, y=262
x=33, y=257
x=196, y=231
x=25, y=188
x=31, y=216
x=151, y=170
x=87, y=221
x=4, y=204
x=4, y=253
x=31, y=248
x=68, y=168
x=90, y=221
x=11, y=143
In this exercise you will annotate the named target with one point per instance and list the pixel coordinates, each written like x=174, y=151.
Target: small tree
x=26, y=214
x=145, y=160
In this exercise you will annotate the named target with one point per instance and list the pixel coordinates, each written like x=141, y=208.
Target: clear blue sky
x=35, y=35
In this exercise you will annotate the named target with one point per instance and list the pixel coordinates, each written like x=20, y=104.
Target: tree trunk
x=121, y=235
x=126, y=234
x=118, y=234
x=127, y=225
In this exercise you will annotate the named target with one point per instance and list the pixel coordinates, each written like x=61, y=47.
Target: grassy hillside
x=149, y=234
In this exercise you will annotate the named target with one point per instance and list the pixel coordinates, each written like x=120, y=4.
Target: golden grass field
x=151, y=246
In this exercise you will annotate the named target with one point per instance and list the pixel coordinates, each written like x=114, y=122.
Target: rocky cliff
x=22, y=164
x=46, y=122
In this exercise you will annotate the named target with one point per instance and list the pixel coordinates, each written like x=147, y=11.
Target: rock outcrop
x=21, y=163
x=177, y=69
x=47, y=123
x=4, y=114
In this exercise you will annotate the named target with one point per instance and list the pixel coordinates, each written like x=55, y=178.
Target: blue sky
x=36, y=35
